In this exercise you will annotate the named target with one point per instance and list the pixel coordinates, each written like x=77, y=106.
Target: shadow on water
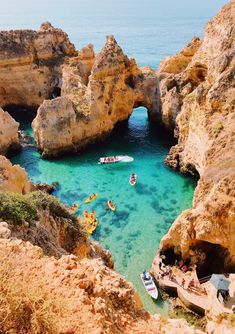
x=22, y=114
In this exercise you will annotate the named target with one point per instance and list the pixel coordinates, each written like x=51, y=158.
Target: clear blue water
x=149, y=31
x=144, y=212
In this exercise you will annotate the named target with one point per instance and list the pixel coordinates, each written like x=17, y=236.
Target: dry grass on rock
x=26, y=306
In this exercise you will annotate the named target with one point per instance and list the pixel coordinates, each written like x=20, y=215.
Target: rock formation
x=72, y=274
x=67, y=295
x=30, y=64
x=65, y=283
x=97, y=93
x=13, y=177
x=9, y=139
x=198, y=96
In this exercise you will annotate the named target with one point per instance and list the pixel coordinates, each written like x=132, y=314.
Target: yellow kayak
x=86, y=214
x=111, y=206
x=91, y=225
x=88, y=200
x=90, y=229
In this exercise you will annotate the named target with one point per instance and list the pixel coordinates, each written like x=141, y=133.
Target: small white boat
x=133, y=179
x=113, y=159
x=149, y=285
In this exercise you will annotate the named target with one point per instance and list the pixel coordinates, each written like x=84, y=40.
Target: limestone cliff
x=65, y=283
x=67, y=295
x=9, y=139
x=13, y=177
x=201, y=87
x=97, y=93
x=30, y=64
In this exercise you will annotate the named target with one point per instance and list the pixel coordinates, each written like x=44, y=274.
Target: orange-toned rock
x=13, y=177
x=97, y=93
x=9, y=139
x=71, y=296
x=205, y=123
x=30, y=64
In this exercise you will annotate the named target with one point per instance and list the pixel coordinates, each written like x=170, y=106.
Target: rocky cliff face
x=65, y=283
x=30, y=64
x=9, y=139
x=13, y=177
x=67, y=295
x=198, y=96
x=97, y=93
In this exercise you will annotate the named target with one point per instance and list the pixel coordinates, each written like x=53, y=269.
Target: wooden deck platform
x=196, y=302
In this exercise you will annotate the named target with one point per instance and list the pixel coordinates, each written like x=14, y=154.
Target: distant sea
x=149, y=31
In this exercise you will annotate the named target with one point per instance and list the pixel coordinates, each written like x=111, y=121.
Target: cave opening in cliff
x=22, y=114
x=211, y=258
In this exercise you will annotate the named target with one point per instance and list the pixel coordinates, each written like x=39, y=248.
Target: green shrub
x=18, y=208
x=44, y=201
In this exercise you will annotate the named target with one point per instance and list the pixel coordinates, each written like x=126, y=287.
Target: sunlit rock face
x=9, y=138
x=97, y=93
x=30, y=64
x=12, y=177
x=204, y=125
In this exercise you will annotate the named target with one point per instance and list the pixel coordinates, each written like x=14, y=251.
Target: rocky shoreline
x=202, y=96
x=82, y=96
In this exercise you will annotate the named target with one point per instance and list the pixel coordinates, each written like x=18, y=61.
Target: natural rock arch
x=97, y=93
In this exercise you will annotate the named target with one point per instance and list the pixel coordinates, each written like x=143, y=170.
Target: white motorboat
x=133, y=179
x=113, y=159
x=149, y=285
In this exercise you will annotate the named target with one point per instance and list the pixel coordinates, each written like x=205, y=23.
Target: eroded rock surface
x=9, y=138
x=81, y=296
x=204, y=87
x=97, y=93
x=30, y=64
x=13, y=177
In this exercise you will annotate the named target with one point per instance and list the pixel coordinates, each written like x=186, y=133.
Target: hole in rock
x=56, y=92
x=211, y=258
x=22, y=114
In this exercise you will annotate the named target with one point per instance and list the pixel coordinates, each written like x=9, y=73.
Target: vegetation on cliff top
x=17, y=208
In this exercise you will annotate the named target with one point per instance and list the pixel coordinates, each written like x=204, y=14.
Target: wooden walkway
x=197, y=302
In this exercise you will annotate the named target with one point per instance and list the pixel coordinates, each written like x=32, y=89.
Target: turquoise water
x=144, y=212
x=149, y=31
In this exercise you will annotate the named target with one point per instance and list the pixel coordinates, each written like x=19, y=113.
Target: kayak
x=89, y=199
x=149, y=285
x=92, y=227
x=85, y=214
x=113, y=159
x=89, y=222
x=111, y=206
x=73, y=208
x=133, y=179
x=92, y=215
